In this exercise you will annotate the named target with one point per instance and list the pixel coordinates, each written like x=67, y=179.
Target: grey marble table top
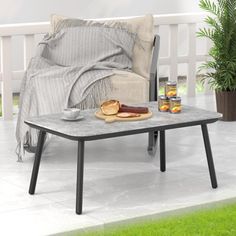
x=91, y=127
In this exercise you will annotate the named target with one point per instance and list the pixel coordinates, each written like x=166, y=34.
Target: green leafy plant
x=222, y=32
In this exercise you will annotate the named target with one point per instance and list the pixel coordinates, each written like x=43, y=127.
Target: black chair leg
x=152, y=142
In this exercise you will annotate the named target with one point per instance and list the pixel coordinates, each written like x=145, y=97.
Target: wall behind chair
x=19, y=11
x=25, y=11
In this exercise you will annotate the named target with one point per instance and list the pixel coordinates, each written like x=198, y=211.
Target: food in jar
x=171, y=89
x=163, y=103
x=175, y=105
x=110, y=107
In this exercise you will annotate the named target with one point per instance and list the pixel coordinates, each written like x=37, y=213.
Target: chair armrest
x=153, y=92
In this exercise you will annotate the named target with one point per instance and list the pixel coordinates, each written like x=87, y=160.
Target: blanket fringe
x=20, y=152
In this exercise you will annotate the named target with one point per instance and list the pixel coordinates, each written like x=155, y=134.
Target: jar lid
x=175, y=98
x=163, y=97
x=171, y=83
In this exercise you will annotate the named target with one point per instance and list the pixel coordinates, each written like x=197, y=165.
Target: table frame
x=152, y=147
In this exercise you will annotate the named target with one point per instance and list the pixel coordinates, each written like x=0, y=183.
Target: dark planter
x=226, y=104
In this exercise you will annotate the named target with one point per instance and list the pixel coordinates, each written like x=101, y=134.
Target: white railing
x=30, y=30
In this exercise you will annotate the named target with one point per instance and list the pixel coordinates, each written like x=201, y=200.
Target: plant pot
x=226, y=104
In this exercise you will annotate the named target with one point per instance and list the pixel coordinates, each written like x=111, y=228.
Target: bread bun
x=110, y=107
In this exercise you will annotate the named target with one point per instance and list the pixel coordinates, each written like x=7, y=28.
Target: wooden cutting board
x=113, y=118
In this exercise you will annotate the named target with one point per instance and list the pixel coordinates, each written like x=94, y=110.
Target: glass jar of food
x=171, y=89
x=163, y=103
x=175, y=105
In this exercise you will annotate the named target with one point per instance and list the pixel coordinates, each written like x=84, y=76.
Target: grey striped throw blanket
x=70, y=69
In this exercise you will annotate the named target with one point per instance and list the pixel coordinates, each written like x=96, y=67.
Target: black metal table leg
x=152, y=142
x=162, y=151
x=209, y=155
x=80, y=176
x=38, y=154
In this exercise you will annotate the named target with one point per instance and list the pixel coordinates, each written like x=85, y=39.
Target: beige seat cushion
x=142, y=25
x=129, y=87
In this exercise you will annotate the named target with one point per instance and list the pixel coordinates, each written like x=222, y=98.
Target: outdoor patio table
x=91, y=128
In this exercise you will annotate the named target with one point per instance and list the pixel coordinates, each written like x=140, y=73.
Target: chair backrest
x=142, y=25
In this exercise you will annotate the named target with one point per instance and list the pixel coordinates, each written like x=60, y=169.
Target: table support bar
x=209, y=155
x=162, y=151
x=37, y=159
x=80, y=176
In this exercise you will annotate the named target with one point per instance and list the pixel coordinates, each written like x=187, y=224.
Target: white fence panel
x=191, y=79
x=6, y=74
x=28, y=49
x=173, y=52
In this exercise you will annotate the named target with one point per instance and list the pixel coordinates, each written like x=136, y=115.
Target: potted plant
x=221, y=67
